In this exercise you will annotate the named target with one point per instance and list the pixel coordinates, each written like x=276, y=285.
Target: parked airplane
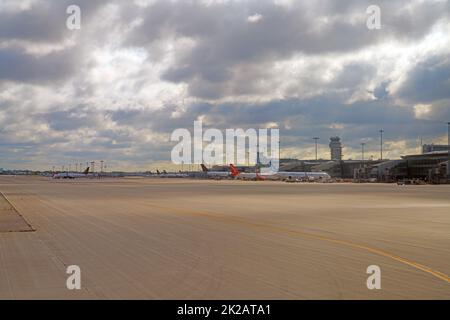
x=279, y=175
x=235, y=173
x=72, y=175
x=165, y=174
x=216, y=174
x=308, y=176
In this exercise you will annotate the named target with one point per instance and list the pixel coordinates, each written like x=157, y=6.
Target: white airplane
x=279, y=175
x=72, y=175
x=166, y=174
x=215, y=174
x=308, y=176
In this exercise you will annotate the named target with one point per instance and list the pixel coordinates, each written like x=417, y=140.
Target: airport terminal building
x=423, y=166
x=430, y=167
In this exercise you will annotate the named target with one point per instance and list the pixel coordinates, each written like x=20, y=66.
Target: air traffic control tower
x=336, y=148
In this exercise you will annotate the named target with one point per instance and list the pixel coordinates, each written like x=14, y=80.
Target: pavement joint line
x=418, y=266
x=19, y=214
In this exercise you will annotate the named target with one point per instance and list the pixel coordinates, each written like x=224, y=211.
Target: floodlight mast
x=316, y=139
x=363, y=144
x=448, y=152
x=381, y=144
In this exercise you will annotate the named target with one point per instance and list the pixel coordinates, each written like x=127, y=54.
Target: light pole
x=362, y=151
x=258, y=159
x=448, y=145
x=381, y=143
x=316, y=139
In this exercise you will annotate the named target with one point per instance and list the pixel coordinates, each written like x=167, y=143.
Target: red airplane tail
x=234, y=171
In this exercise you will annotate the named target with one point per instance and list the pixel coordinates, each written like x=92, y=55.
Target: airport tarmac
x=187, y=239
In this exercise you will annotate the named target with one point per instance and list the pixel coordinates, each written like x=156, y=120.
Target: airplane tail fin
x=234, y=171
x=86, y=171
x=204, y=168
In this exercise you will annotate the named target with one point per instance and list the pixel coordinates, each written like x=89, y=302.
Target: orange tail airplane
x=235, y=173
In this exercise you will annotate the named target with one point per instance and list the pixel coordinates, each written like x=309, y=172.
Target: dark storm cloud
x=161, y=120
x=441, y=110
x=311, y=112
x=16, y=65
x=381, y=91
x=71, y=120
x=296, y=118
x=428, y=81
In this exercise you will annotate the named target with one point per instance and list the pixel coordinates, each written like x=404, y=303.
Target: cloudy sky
x=136, y=70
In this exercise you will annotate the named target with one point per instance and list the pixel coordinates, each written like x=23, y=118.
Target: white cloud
x=422, y=111
x=255, y=18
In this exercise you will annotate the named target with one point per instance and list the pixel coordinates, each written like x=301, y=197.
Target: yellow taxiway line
x=379, y=252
